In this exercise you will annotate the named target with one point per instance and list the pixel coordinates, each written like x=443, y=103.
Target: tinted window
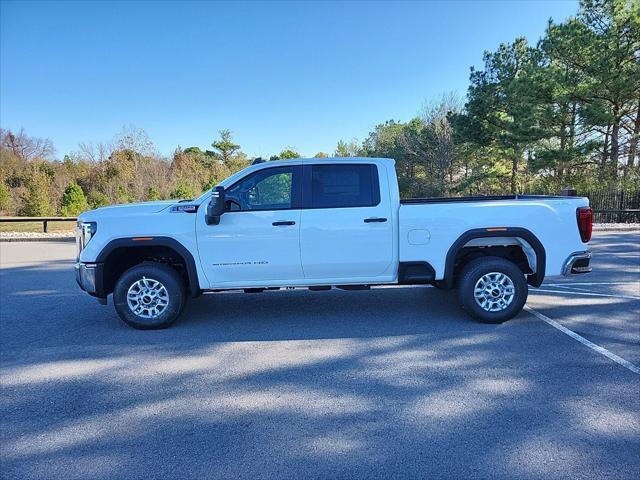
x=344, y=186
x=269, y=189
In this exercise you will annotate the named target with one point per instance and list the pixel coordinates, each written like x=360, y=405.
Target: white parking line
x=574, y=288
x=567, y=292
x=601, y=350
x=569, y=284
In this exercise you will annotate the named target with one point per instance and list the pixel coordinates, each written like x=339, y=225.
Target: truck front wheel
x=492, y=289
x=149, y=296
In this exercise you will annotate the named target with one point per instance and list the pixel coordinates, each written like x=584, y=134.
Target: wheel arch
x=535, y=279
x=139, y=246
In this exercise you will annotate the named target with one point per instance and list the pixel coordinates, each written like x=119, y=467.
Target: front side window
x=336, y=186
x=269, y=189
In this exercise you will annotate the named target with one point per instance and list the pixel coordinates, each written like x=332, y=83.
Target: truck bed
x=429, y=226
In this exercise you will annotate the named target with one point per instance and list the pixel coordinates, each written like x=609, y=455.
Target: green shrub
x=98, y=199
x=37, y=201
x=212, y=182
x=183, y=192
x=5, y=199
x=153, y=193
x=73, y=201
x=123, y=195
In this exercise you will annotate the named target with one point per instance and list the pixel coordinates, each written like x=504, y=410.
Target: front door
x=258, y=237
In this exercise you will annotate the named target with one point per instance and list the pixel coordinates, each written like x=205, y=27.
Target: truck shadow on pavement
x=290, y=384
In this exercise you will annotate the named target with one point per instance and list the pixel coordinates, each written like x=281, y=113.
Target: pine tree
x=225, y=147
x=73, y=201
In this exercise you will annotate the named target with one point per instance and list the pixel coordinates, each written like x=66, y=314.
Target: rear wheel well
x=511, y=243
x=122, y=259
x=512, y=253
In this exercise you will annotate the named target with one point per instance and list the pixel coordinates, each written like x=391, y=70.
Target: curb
x=36, y=239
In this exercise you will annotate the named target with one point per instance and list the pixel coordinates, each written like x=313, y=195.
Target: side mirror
x=215, y=209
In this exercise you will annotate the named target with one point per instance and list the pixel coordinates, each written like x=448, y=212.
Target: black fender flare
x=138, y=242
x=534, y=279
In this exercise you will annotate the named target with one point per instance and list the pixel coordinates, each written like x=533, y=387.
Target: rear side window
x=335, y=186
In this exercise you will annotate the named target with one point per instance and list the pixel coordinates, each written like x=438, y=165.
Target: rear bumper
x=89, y=278
x=576, y=263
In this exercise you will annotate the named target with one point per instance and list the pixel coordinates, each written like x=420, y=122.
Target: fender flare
x=534, y=279
x=139, y=242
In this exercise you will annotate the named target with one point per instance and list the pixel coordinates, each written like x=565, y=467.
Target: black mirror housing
x=215, y=209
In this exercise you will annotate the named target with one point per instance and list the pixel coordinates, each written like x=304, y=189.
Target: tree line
x=535, y=119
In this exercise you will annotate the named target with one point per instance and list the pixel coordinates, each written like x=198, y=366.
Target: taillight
x=585, y=223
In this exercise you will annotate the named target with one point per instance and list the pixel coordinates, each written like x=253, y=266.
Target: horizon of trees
x=535, y=119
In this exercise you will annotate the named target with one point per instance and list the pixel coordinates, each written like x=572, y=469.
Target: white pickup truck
x=323, y=223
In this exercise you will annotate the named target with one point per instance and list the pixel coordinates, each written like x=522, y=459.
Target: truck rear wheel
x=149, y=296
x=492, y=289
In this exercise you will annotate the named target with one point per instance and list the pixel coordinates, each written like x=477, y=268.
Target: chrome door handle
x=282, y=223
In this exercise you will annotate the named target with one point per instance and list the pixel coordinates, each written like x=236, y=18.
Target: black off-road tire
x=476, y=270
x=167, y=277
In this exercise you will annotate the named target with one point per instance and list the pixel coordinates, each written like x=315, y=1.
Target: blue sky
x=300, y=75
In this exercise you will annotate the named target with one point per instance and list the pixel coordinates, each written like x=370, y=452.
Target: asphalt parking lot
x=393, y=383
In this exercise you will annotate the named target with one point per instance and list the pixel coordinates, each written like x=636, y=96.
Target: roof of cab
x=331, y=160
x=302, y=161
x=346, y=160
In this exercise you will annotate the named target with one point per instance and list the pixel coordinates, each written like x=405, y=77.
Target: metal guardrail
x=44, y=220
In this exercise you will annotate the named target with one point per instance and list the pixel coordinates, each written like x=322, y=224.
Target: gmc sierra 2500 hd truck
x=323, y=223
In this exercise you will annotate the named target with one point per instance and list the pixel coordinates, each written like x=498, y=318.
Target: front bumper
x=89, y=278
x=576, y=263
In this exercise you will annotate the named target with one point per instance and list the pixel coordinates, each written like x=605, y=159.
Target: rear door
x=346, y=226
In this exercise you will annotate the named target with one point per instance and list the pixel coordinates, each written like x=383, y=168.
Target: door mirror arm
x=229, y=203
x=215, y=208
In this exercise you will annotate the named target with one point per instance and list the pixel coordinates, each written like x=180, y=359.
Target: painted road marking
x=587, y=284
x=573, y=287
x=568, y=292
x=601, y=350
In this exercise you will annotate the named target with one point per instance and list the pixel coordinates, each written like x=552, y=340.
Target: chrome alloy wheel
x=494, y=292
x=147, y=298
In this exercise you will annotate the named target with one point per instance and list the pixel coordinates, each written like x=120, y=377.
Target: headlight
x=84, y=233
